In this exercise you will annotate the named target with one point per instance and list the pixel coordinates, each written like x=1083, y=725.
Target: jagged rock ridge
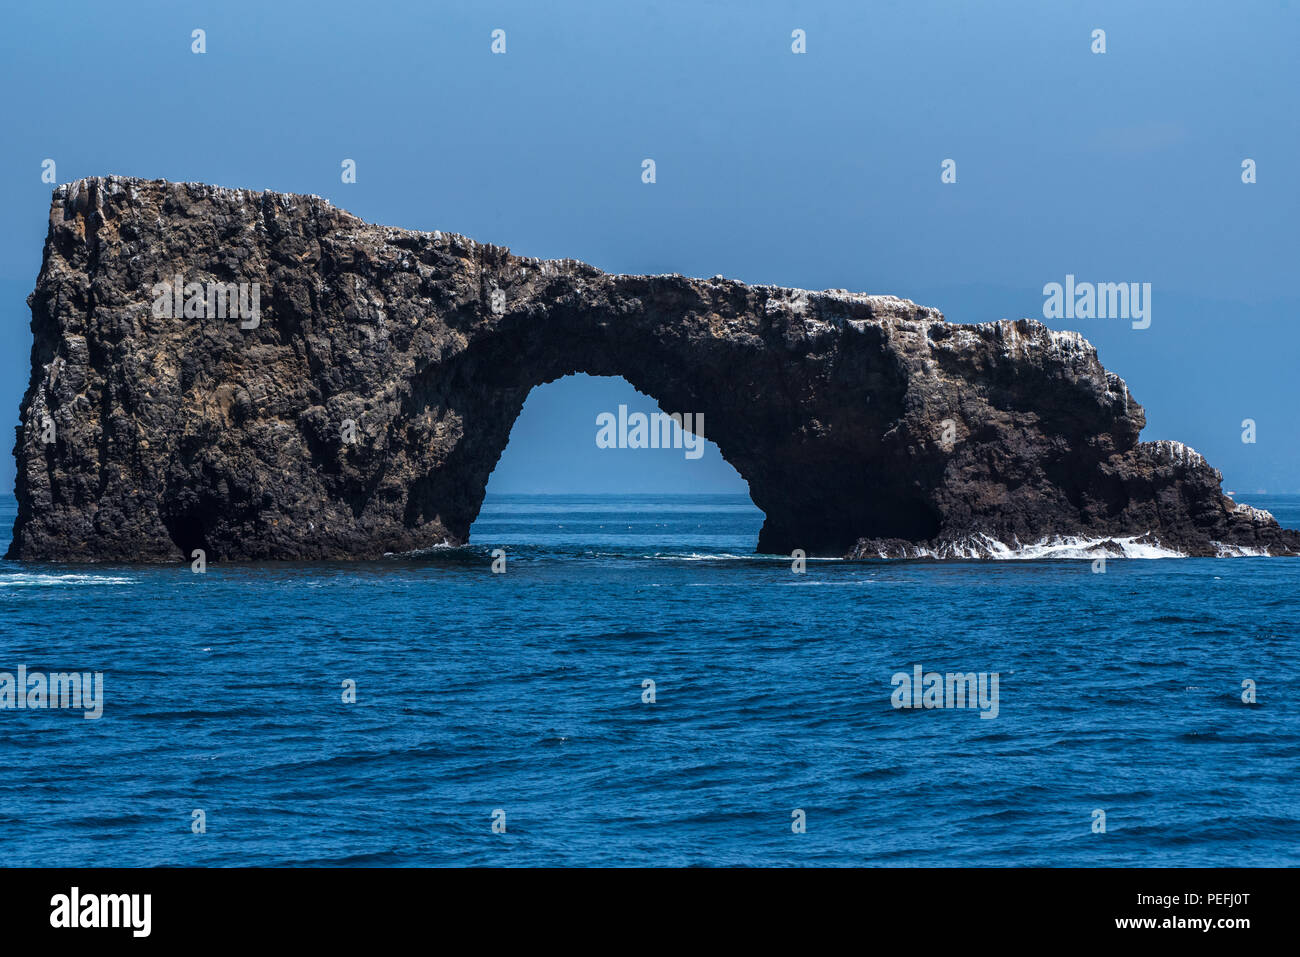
x=864, y=425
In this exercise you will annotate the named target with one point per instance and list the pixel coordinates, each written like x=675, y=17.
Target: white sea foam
x=418, y=552
x=1239, y=551
x=986, y=547
x=706, y=557
x=728, y=556
x=855, y=583
x=35, y=580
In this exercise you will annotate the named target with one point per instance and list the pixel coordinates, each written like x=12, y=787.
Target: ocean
x=505, y=719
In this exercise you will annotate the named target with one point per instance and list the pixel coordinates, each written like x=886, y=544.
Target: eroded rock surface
x=865, y=425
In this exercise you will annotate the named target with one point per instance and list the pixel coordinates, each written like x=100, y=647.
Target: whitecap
x=986, y=547
x=37, y=580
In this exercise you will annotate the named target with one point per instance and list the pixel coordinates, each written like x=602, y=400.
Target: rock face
x=865, y=425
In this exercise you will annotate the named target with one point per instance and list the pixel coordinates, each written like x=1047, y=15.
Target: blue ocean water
x=523, y=692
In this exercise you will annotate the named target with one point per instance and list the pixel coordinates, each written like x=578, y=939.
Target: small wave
x=817, y=583
x=37, y=580
x=1086, y=548
x=427, y=550
x=727, y=557
x=1239, y=551
x=705, y=557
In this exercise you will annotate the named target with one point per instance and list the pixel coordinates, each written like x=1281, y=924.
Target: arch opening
x=592, y=461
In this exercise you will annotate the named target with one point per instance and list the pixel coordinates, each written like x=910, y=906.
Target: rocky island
x=347, y=389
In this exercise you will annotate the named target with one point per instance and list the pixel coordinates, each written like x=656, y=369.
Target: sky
x=817, y=170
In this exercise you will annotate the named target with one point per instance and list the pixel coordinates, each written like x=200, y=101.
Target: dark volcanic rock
x=179, y=433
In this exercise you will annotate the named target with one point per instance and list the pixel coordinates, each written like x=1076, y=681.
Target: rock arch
x=864, y=425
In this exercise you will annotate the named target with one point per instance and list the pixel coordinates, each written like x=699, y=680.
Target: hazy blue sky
x=816, y=170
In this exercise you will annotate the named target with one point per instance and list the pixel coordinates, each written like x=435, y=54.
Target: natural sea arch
x=363, y=411
x=817, y=491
